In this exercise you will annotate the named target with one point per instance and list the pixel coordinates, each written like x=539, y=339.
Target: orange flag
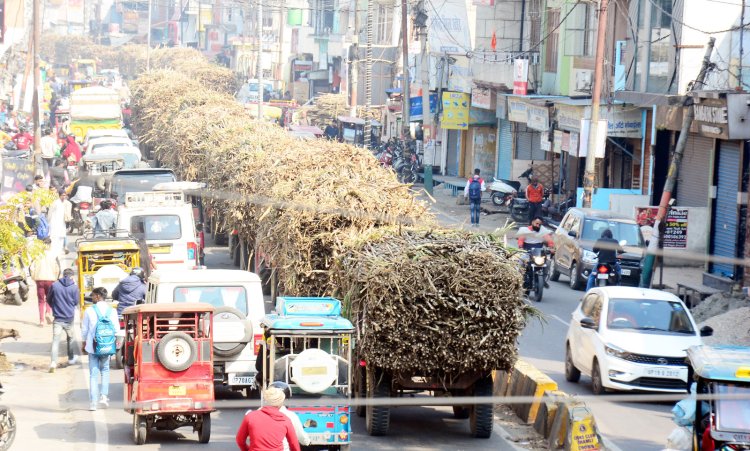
x=493, y=43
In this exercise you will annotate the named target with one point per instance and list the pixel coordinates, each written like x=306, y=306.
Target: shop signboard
x=517, y=110
x=557, y=144
x=601, y=138
x=624, y=123
x=537, y=118
x=17, y=173
x=520, y=76
x=501, y=112
x=675, y=226
x=455, y=110
x=573, y=149
x=569, y=117
x=415, y=107
x=721, y=115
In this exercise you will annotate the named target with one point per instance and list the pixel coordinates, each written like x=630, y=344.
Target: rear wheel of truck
x=378, y=418
x=482, y=416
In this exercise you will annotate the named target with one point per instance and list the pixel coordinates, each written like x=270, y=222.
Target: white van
x=238, y=298
x=166, y=222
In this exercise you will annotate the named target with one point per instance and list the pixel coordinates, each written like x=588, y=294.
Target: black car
x=575, y=238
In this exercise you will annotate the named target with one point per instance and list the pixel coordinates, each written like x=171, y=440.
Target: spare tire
x=177, y=351
x=232, y=331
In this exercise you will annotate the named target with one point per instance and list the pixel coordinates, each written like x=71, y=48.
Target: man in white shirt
x=48, y=150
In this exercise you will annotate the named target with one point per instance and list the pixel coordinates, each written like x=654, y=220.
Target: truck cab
x=308, y=345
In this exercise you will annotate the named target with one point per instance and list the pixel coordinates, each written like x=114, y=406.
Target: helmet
x=137, y=271
x=283, y=386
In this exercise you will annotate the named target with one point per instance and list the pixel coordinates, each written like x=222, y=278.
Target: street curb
x=504, y=435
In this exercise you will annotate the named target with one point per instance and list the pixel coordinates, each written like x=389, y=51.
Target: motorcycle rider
x=105, y=220
x=538, y=238
x=131, y=290
x=607, y=248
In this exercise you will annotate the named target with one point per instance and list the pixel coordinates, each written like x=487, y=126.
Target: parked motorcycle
x=409, y=171
x=536, y=273
x=502, y=193
x=16, y=288
x=79, y=215
x=7, y=419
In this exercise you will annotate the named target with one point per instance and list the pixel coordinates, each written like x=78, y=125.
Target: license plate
x=110, y=280
x=177, y=390
x=602, y=276
x=241, y=380
x=625, y=272
x=315, y=371
x=12, y=286
x=662, y=372
x=160, y=249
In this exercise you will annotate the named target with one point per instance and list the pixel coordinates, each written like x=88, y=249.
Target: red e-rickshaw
x=168, y=367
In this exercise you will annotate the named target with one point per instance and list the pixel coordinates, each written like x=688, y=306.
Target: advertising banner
x=455, y=110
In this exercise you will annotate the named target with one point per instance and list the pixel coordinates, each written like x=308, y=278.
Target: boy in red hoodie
x=267, y=427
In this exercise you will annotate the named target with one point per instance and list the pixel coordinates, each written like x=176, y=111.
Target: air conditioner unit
x=583, y=80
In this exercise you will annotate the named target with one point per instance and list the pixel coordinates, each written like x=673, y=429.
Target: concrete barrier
x=574, y=428
x=548, y=410
x=526, y=380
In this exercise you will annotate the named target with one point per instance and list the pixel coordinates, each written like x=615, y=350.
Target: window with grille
x=553, y=34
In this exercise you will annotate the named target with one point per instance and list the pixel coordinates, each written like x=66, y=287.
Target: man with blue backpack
x=99, y=331
x=473, y=191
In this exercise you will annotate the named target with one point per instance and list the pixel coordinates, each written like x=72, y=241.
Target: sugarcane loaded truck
x=94, y=108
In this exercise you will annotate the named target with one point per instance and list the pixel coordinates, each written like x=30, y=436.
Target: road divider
x=567, y=423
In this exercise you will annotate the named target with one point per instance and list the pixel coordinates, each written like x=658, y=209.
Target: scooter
x=7, y=419
x=502, y=193
x=16, y=288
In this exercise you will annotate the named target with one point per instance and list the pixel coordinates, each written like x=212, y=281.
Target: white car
x=104, y=133
x=238, y=298
x=629, y=338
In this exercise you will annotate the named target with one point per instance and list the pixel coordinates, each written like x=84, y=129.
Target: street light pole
x=405, y=92
x=37, y=101
x=260, y=60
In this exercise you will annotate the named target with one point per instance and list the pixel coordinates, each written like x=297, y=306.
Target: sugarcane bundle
x=326, y=108
x=433, y=301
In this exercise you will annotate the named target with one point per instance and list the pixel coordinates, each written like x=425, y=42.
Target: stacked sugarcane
x=331, y=221
x=326, y=108
x=433, y=301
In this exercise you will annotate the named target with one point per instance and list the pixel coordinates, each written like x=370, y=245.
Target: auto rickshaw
x=169, y=368
x=308, y=345
x=723, y=373
x=104, y=262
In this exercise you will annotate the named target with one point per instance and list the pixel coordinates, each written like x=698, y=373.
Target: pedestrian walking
x=63, y=297
x=49, y=149
x=98, y=331
x=473, y=192
x=267, y=427
x=45, y=270
x=56, y=219
x=535, y=196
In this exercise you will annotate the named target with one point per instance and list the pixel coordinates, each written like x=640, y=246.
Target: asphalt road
x=631, y=426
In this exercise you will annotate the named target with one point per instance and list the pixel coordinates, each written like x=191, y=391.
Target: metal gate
x=454, y=143
x=725, y=215
x=695, y=175
x=529, y=144
x=504, y=149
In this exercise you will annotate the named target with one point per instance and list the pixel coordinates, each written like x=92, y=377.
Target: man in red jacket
x=267, y=427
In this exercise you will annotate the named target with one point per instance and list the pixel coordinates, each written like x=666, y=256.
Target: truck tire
x=482, y=415
x=177, y=351
x=378, y=418
x=230, y=314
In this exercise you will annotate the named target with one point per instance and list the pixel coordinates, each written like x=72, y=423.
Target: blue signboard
x=415, y=107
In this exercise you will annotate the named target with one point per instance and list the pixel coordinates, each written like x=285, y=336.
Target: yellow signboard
x=455, y=110
x=584, y=436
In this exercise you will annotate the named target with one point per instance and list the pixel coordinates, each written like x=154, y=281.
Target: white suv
x=238, y=298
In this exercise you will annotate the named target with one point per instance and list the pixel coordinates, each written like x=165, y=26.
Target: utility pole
x=354, y=62
x=368, y=73
x=36, y=103
x=148, y=35
x=688, y=114
x=261, y=91
x=589, y=177
x=280, y=60
x=405, y=92
x=426, y=112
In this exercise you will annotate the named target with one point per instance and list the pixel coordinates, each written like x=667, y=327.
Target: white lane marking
x=560, y=320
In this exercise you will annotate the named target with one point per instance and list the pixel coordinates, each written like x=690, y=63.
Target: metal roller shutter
x=529, y=144
x=454, y=142
x=726, y=216
x=695, y=174
x=504, y=149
